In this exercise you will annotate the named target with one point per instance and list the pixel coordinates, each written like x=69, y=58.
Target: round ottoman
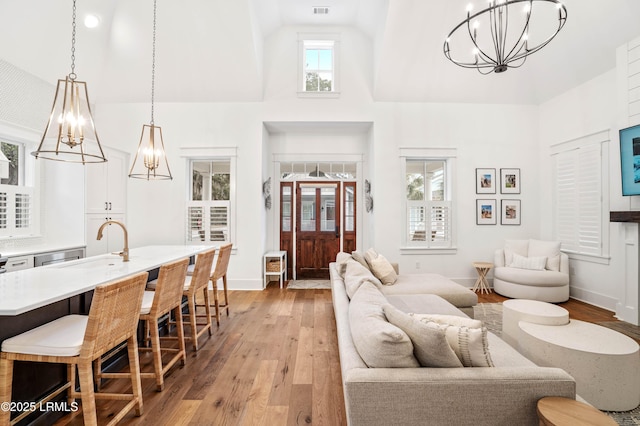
x=516, y=310
x=604, y=363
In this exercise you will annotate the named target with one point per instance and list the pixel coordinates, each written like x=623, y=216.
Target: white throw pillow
x=379, y=343
x=549, y=249
x=468, y=342
x=512, y=247
x=430, y=345
x=359, y=257
x=533, y=263
x=380, y=266
x=355, y=275
x=341, y=262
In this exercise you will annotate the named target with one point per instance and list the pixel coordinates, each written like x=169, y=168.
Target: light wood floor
x=274, y=361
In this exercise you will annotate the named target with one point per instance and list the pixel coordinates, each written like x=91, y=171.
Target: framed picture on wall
x=510, y=181
x=511, y=212
x=486, y=213
x=485, y=181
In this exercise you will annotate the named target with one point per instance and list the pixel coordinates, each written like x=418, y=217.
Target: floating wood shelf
x=629, y=216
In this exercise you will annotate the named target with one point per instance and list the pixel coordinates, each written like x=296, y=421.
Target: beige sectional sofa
x=391, y=388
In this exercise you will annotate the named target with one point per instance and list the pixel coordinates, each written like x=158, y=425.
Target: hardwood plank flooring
x=273, y=361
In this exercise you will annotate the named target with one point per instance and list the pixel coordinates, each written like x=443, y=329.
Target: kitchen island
x=32, y=297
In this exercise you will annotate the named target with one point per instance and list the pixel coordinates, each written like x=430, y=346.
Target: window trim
x=304, y=38
x=449, y=156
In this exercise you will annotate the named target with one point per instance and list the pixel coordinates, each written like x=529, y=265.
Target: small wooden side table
x=483, y=269
x=559, y=411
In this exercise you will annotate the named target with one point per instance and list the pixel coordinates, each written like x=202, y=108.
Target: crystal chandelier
x=70, y=134
x=151, y=161
x=501, y=36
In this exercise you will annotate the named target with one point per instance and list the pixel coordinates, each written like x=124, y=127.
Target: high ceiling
x=212, y=50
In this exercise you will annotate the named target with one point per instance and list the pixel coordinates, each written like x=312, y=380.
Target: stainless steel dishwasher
x=57, y=257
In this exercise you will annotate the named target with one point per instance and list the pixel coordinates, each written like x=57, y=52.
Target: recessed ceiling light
x=91, y=21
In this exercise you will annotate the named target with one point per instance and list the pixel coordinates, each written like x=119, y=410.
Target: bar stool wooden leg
x=226, y=298
x=192, y=319
x=6, y=378
x=215, y=300
x=177, y=313
x=85, y=374
x=157, y=355
x=134, y=368
x=207, y=309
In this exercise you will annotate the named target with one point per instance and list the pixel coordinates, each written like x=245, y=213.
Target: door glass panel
x=308, y=221
x=349, y=209
x=286, y=209
x=328, y=209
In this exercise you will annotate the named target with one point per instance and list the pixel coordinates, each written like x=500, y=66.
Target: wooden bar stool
x=220, y=271
x=165, y=300
x=77, y=340
x=193, y=284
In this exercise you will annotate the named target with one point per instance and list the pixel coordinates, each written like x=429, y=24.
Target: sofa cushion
x=532, y=278
x=548, y=249
x=467, y=338
x=454, y=293
x=359, y=257
x=380, y=266
x=355, y=275
x=379, y=343
x=341, y=262
x=520, y=247
x=430, y=344
x=423, y=304
x=537, y=263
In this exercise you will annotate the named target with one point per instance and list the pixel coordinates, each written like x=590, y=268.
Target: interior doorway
x=317, y=220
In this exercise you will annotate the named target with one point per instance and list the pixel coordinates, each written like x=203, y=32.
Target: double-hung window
x=319, y=58
x=427, y=201
x=209, y=208
x=17, y=209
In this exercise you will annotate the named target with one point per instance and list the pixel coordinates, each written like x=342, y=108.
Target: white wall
x=485, y=136
x=584, y=110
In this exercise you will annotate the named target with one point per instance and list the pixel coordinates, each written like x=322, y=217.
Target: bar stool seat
x=77, y=340
x=61, y=337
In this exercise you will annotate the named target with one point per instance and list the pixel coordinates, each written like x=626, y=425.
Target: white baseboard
x=593, y=298
x=245, y=284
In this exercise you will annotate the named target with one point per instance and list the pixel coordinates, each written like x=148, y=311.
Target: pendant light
x=71, y=134
x=489, y=42
x=151, y=161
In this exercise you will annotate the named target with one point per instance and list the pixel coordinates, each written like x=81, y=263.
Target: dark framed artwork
x=509, y=181
x=486, y=213
x=511, y=212
x=485, y=181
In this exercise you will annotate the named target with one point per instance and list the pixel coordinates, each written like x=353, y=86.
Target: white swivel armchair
x=532, y=269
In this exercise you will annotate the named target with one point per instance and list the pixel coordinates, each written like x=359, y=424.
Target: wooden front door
x=317, y=228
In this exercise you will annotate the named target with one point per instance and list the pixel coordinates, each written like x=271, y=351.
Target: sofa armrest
x=564, y=263
x=498, y=258
x=445, y=396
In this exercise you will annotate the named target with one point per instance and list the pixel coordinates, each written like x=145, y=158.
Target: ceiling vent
x=320, y=10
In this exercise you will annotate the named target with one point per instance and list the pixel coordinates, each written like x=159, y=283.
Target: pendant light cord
x=72, y=75
x=153, y=60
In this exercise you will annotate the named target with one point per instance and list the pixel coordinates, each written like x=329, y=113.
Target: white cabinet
x=19, y=262
x=106, y=198
x=112, y=236
x=106, y=184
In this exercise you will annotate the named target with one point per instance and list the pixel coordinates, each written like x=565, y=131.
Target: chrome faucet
x=125, y=251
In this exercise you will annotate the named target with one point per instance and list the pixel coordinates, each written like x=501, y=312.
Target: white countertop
x=28, y=289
